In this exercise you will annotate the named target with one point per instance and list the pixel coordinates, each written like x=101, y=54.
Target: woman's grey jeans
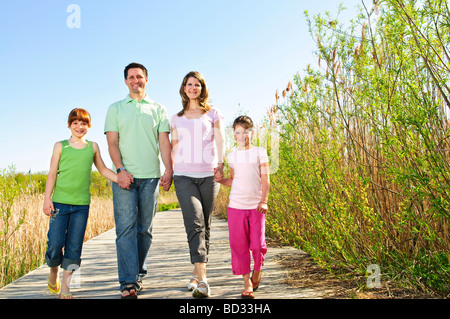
x=197, y=197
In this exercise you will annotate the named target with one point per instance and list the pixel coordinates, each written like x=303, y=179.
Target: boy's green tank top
x=74, y=175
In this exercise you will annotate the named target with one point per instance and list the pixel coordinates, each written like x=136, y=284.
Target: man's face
x=136, y=81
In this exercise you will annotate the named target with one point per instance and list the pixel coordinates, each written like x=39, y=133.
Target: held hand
x=124, y=179
x=262, y=207
x=166, y=181
x=218, y=176
x=218, y=173
x=166, y=185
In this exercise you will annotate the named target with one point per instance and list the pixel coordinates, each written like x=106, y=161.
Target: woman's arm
x=220, y=144
x=174, y=142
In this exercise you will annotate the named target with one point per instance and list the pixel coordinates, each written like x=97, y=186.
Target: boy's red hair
x=79, y=115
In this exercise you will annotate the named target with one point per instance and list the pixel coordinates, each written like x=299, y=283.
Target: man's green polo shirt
x=138, y=124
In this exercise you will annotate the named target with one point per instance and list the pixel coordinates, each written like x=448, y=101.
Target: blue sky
x=245, y=49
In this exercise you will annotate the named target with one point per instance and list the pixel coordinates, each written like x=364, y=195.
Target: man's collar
x=146, y=98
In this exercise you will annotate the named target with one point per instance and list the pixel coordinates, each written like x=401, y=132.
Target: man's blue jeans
x=134, y=210
x=66, y=231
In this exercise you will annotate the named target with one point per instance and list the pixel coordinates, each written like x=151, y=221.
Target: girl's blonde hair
x=79, y=115
x=204, y=95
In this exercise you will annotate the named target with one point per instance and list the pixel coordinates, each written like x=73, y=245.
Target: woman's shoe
x=192, y=285
x=202, y=290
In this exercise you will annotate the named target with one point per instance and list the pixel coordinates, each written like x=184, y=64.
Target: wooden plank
x=169, y=268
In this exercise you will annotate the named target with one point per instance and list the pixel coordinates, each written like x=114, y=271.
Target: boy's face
x=242, y=136
x=79, y=128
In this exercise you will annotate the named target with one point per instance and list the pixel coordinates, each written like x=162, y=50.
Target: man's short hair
x=134, y=65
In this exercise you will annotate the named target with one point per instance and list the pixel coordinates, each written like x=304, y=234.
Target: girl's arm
x=265, y=185
x=51, y=179
x=101, y=167
x=227, y=181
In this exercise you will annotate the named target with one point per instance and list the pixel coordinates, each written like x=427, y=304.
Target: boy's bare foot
x=54, y=284
x=129, y=293
x=63, y=295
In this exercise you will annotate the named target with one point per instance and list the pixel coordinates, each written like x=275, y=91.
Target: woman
x=195, y=130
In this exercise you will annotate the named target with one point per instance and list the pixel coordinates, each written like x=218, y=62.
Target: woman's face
x=193, y=88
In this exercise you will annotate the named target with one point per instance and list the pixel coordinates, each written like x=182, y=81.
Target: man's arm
x=124, y=179
x=165, y=148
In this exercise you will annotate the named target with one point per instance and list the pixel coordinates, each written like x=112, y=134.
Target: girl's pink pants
x=247, y=233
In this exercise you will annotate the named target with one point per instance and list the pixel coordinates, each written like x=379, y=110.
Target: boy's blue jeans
x=66, y=230
x=134, y=210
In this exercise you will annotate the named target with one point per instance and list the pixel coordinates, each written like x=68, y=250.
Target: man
x=136, y=129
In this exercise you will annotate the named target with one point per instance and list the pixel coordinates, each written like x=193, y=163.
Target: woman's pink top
x=196, y=155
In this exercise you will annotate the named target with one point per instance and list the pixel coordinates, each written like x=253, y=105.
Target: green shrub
x=364, y=172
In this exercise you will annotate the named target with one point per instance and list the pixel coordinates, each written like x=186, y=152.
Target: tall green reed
x=364, y=152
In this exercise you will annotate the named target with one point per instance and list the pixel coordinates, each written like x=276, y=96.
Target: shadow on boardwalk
x=169, y=268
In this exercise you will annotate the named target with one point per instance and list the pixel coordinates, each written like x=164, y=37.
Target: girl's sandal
x=247, y=295
x=54, y=288
x=256, y=283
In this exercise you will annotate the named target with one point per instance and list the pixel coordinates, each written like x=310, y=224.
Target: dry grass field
x=24, y=249
x=24, y=233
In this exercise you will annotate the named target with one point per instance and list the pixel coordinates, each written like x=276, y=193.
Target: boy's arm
x=101, y=167
x=51, y=179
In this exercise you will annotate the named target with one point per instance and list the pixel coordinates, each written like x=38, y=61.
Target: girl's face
x=79, y=128
x=243, y=136
x=193, y=88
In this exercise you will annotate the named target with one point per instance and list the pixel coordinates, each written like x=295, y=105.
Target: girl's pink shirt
x=196, y=149
x=246, y=188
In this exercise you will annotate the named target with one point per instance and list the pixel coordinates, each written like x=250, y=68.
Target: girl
x=69, y=179
x=195, y=130
x=249, y=182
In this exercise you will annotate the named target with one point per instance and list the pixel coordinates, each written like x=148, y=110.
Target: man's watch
x=120, y=169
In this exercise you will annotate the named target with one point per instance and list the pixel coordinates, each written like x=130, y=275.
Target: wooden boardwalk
x=169, y=268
